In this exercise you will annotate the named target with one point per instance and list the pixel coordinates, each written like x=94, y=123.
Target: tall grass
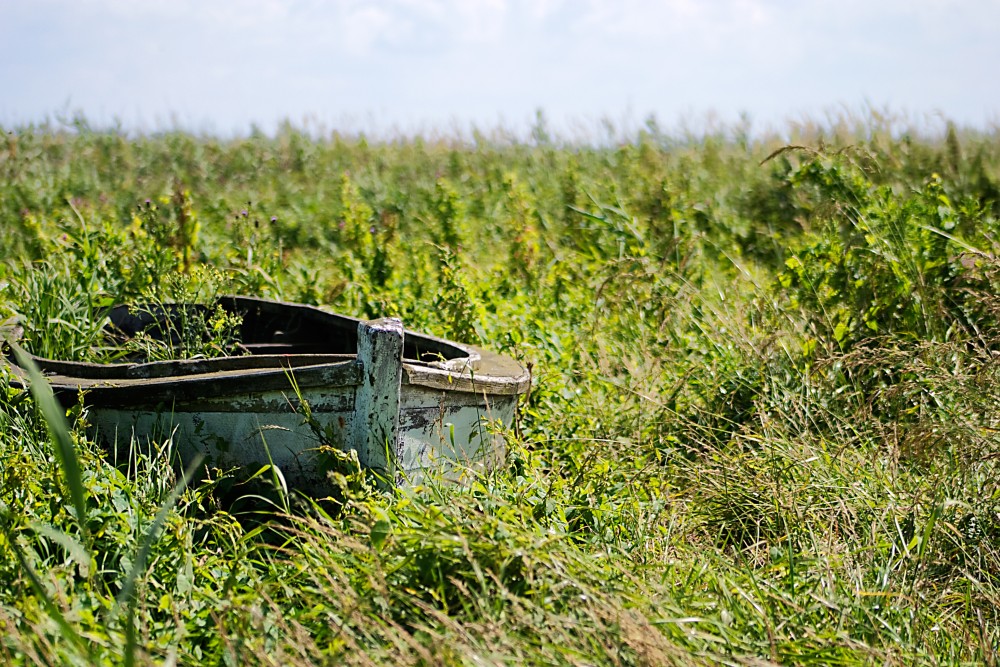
x=761, y=427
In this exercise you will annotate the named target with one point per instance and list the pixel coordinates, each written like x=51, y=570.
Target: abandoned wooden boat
x=306, y=387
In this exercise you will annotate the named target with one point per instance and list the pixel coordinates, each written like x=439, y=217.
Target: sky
x=415, y=66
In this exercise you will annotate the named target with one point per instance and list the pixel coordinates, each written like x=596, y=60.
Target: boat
x=304, y=390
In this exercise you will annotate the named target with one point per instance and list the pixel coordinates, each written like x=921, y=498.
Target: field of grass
x=764, y=424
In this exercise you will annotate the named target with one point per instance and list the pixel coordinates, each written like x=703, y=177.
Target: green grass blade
x=127, y=595
x=277, y=477
x=66, y=630
x=76, y=550
x=59, y=431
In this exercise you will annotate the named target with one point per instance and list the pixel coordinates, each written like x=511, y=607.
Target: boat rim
x=477, y=370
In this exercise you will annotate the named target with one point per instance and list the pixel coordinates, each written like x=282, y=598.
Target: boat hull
x=449, y=433
x=403, y=405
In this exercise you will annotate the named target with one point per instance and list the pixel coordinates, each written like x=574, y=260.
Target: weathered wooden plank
x=241, y=411
x=467, y=381
x=376, y=403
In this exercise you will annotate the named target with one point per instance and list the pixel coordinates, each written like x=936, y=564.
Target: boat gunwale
x=478, y=371
x=305, y=375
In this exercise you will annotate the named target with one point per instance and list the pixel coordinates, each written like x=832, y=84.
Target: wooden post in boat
x=376, y=408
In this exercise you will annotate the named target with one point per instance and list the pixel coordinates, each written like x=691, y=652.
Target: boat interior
x=268, y=328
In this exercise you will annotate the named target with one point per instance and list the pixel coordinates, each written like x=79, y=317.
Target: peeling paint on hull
x=430, y=438
x=407, y=403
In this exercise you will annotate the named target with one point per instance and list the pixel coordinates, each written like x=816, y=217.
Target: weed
x=762, y=426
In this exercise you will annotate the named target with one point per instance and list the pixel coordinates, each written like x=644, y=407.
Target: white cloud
x=364, y=26
x=428, y=59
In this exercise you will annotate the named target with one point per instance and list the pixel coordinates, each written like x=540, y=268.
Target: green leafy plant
x=887, y=263
x=761, y=428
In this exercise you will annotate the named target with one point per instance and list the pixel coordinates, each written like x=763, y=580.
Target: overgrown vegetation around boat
x=763, y=426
